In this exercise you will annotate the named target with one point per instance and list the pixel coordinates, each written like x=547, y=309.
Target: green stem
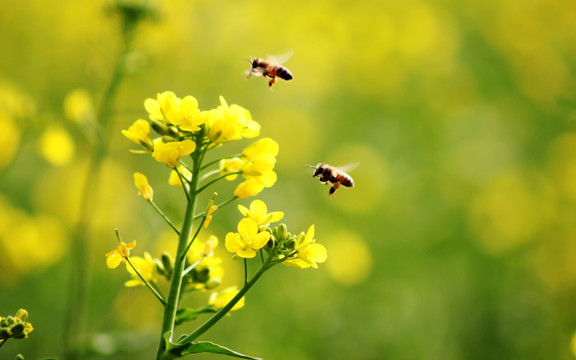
x=164, y=216
x=219, y=207
x=218, y=160
x=169, y=318
x=153, y=289
x=77, y=301
x=222, y=312
x=210, y=203
x=217, y=179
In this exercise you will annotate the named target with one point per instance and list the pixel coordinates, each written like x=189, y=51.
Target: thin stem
x=164, y=216
x=218, y=160
x=223, y=311
x=210, y=203
x=153, y=289
x=185, y=183
x=191, y=267
x=3, y=341
x=217, y=179
x=208, y=174
x=220, y=206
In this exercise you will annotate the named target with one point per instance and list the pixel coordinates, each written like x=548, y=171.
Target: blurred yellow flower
x=144, y=188
x=350, y=258
x=174, y=179
x=56, y=146
x=118, y=256
x=145, y=266
x=219, y=299
x=209, y=271
x=259, y=212
x=169, y=153
x=307, y=251
x=139, y=132
x=247, y=241
x=78, y=107
x=264, y=146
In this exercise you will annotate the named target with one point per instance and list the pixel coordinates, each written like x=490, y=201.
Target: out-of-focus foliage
x=457, y=242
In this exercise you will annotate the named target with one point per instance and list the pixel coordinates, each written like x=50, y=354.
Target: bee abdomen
x=347, y=181
x=283, y=73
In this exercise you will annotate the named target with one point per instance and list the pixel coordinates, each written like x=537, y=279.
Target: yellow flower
x=247, y=241
x=308, y=252
x=174, y=179
x=219, y=299
x=169, y=108
x=169, y=153
x=259, y=161
x=145, y=266
x=227, y=123
x=228, y=166
x=118, y=256
x=259, y=213
x=57, y=146
x=264, y=146
x=248, y=188
x=139, y=132
x=209, y=271
x=78, y=107
x=141, y=183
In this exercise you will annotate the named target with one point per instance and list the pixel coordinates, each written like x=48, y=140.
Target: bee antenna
x=311, y=166
x=247, y=59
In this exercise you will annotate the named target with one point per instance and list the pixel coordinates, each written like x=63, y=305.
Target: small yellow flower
x=308, y=252
x=208, y=220
x=144, y=188
x=264, y=146
x=174, y=179
x=145, y=266
x=227, y=123
x=118, y=256
x=78, y=107
x=247, y=241
x=259, y=213
x=248, y=188
x=170, y=153
x=169, y=108
x=219, y=299
x=228, y=166
x=139, y=132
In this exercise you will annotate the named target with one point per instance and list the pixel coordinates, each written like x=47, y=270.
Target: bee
x=270, y=68
x=334, y=175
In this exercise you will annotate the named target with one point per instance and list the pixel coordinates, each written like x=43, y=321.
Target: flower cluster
x=254, y=233
x=15, y=326
x=256, y=166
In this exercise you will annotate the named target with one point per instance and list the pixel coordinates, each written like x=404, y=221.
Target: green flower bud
x=17, y=330
x=22, y=314
x=159, y=127
x=167, y=262
x=281, y=232
x=19, y=357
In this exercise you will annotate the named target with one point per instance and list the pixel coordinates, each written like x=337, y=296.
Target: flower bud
x=22, y=314
x=213, y=283
x=159, y=127
x=173, y=132
x=167, y=262
x=17, y=330
x=281, y=232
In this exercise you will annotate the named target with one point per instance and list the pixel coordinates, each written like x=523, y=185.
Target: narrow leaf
x=210, y=347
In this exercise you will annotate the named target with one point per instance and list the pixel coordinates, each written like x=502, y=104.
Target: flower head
x=228, y=123
x=308, y=253
x=144, y=188
x=219, y=299
x=139, y=132
x=259, y=213
x=170, y=153
x=145, y=266
x=172, y=110
x=247, y=241
x=118, y=256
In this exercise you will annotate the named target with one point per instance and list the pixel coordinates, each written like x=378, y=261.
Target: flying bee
x=334, y=175
x=270, y=68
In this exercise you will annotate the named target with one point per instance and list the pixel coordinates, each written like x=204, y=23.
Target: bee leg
x=271, y=82
x=333, y=189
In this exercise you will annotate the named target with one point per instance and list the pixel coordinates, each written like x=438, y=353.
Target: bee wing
x=348, y=167
x=280, y=59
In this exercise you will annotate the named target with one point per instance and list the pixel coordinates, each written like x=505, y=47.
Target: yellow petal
x=113, y=260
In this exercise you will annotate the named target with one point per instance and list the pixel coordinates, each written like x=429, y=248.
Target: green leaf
x=187, y=314
x=210, y=347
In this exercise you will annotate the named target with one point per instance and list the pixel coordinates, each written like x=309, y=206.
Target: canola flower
x=15, y=327
x=184, y=136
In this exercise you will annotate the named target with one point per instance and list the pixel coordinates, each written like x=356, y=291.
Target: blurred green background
x=458, y=241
